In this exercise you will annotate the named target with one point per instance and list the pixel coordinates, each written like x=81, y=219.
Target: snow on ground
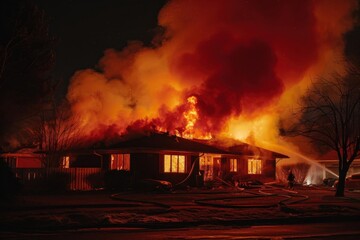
x=97, y=209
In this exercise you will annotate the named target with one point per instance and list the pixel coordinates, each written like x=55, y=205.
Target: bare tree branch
x=330, y=116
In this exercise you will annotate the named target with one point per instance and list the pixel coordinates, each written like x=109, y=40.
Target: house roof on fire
x=155, y=141
x=236, y=147
x=164, y=141
x=251, y=150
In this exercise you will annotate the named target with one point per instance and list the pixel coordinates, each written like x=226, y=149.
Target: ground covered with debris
x=267, y=204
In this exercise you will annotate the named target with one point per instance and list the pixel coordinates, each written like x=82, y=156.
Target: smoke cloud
x=244, y=61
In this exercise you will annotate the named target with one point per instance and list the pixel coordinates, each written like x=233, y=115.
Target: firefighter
x=291, y=180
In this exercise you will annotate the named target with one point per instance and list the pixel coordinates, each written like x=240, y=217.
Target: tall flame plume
x=232, y=70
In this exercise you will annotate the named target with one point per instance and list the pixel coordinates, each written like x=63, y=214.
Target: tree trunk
x=340, y=188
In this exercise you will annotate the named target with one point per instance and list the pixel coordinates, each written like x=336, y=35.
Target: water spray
x=297, y=154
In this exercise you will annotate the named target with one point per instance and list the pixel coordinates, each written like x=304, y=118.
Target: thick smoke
x=240, y=59
x=240, y=77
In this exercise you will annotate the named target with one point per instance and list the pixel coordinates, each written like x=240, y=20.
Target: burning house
x=153, y=155
x=231, y=71
x=178, y=160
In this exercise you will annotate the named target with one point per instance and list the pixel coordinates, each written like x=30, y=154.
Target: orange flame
x=240, y=62
x=191, y=116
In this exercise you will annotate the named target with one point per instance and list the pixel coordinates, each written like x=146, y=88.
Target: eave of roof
x=163, y=141
x=237, y=147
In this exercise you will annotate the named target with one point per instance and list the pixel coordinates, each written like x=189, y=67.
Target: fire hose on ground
x=282, y=204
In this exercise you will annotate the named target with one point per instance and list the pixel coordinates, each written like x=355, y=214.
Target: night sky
x=85, y=28
x=80, y=32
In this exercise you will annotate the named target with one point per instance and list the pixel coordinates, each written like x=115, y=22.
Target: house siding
x=269, y=167
x=107, y=162
x=268, y=170
x=22, y=160
x=176, y=178
x=28, y=162
x=85, y=161
x=144, y=165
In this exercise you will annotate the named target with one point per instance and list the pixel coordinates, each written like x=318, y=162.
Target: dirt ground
x=223, y=206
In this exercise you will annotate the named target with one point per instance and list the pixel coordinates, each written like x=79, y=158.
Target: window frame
x=120, y=162
x=258, y=166
x=233, y=162
x=66, y=161
x=173, y=165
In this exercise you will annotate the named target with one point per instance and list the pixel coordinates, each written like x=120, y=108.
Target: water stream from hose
x=294, y=154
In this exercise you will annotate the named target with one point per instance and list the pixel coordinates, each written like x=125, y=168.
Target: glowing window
x=202, y=163
x=206, y=162
x=120, y=161
x=233, y=165
x=174, y=163
x=66, y=162
x=254, y=166
x=207, y=165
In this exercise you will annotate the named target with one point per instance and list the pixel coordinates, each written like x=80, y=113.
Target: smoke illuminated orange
x=232, y=70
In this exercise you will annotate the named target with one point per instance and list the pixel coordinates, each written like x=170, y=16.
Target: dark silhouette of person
x=291, y=180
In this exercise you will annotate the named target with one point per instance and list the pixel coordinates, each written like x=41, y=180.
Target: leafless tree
x=25, y=42
x=56, y=131
x=330, y=117
x=27, y=57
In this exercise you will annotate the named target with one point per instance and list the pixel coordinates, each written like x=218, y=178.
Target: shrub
x=9, y=184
